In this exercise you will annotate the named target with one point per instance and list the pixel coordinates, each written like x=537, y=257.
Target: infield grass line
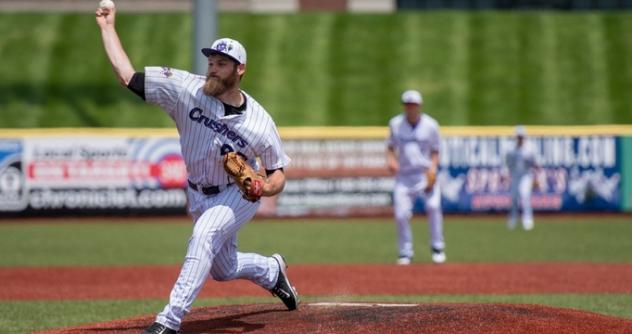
x=602, y=239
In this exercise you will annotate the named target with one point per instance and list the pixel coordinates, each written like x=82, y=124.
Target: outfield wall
x=334, y=172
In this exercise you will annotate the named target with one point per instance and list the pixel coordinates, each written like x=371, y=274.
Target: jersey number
x=227, y=148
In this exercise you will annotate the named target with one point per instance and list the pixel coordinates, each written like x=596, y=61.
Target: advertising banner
x=62, y=175
x=626, y=160
x=93, y=175
x=334, y=177
x=576, y=173
x=12, y=193
x=349, y=177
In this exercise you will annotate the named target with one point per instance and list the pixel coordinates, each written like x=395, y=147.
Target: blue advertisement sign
x=574, y=174
x=12, y=184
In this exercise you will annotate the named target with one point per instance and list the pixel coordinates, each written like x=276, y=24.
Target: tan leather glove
x=249, y=182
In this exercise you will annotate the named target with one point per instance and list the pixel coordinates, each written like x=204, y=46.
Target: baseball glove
x=431, y=178
x=249, y=182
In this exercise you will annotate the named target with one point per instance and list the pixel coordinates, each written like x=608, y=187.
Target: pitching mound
x=379, y=318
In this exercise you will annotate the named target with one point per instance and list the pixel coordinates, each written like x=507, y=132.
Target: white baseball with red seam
x=107, y=4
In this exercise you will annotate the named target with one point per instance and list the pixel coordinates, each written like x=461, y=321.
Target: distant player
x=213, y=117
x=521, y=164
x=413, y=156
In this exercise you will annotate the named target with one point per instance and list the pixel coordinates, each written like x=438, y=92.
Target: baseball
x=108, y=4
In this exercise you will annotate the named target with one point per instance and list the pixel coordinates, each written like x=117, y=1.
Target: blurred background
x=334, y=62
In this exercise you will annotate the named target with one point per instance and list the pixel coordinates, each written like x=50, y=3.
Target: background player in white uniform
x=413, y=150
x=521, y=164
x=213, y=116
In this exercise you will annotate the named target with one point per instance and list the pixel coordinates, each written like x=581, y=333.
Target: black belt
x=210, y=190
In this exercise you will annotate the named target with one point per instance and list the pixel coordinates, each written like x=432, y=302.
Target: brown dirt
x=373, y=318
x=73, y=283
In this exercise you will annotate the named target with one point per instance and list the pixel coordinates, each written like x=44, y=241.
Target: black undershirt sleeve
x=270, y=171
x=137, y=84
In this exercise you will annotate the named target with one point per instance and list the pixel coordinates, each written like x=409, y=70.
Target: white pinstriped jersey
x=413, y=145
x=206, y=133
x=520, y=161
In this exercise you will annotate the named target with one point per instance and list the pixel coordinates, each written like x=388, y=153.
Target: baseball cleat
x=403, y=261
x=283, y=289
x=438, y=256
x=158, y=328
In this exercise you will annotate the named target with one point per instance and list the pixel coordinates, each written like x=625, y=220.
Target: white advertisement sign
x=99, y=174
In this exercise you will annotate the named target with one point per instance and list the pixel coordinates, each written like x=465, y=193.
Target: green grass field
x=474, y=68
x=482, y=239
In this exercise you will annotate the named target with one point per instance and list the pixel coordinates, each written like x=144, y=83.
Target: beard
x=216, y=86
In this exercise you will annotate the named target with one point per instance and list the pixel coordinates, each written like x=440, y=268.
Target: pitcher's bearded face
x=216, y=85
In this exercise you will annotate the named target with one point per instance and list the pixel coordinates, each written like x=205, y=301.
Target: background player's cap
x=412, y=96
x=228, y=47
x=521, y=131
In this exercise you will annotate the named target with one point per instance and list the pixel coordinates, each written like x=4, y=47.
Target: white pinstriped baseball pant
x=212, y=250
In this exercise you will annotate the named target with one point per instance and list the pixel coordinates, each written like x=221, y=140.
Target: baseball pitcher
x=226, y=137
x=413, y=156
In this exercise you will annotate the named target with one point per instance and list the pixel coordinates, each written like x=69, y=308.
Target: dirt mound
x=378, y=318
